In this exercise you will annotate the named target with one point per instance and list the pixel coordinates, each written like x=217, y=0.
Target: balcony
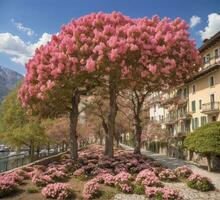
x=169, y=120
x=212, y=61
x=210, y=108
x=184, y=116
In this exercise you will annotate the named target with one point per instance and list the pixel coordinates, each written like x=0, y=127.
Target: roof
x=210, y=42
x=204, y=71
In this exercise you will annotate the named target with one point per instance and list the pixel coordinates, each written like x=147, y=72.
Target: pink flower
x=153, y=68
x=90, y=65
x=59, y=191
x=91, y=189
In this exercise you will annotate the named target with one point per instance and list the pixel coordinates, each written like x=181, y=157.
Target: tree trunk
x=105, y=127
x=208, y=157
x=138, y=132
x=112, y=116
x=73, y=125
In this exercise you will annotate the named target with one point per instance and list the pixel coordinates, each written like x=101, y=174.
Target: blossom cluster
x=106, y=178
x=7, y=185
x=59, y=191
x=198, y=182
x=183, y=172
x=42, y=180
x=167, y=175
x=162, y=193
x=91, y=189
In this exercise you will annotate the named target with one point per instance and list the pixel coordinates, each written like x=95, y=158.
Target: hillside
x=8, y=80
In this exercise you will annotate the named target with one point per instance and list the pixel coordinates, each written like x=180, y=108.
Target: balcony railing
x=212, y=61
x=184, y=115
x=210, y=108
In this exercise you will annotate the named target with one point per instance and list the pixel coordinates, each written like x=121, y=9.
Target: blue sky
x=25, y=24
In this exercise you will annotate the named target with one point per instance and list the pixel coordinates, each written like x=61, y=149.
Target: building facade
x=197, y=101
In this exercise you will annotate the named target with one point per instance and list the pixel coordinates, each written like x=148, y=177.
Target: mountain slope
x=8, y=80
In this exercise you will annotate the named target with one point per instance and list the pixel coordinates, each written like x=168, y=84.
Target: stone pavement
x=173, y=163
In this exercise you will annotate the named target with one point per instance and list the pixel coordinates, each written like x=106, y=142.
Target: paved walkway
x=173, y=163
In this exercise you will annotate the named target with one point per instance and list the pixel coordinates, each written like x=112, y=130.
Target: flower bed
x=60, y=191
x=195, y=181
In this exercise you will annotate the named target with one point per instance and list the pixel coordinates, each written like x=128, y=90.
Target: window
x=155, y=108
x=216, y=53
x=196, y=122
x=193, y=106
x=204, y=59
x=207, y=58
x=193, y=89
x=211, y=81
x=203, y=120
x=212, y=101
x=200, y=104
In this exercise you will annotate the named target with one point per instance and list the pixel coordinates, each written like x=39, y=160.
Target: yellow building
x=197, y=101
x=204, y=88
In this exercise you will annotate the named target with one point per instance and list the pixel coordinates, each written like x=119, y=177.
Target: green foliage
x=139, y=189
x=204, y=140
x=17, y=128
x=203, y=185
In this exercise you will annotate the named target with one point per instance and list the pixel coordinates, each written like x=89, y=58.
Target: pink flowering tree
x=165, y=57
x=113, y=49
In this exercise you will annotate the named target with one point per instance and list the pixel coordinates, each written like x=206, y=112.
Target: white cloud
x=213, y=26
x=194, y=20
x=22, y=28
x=18, y=50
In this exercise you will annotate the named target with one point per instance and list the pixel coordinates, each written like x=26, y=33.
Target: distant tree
x=17, y=128
x=57, y=130
x=205, y=140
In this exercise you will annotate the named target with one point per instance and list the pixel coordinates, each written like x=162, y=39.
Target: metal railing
x=210, y=107
x=18, y=160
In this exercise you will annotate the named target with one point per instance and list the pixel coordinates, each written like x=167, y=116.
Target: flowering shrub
x=167, y=175
x=122, y=177
x=14, y=177
x=125, y=187
x=99, y=171
x=7, y=186
x=80, y=174
x=123, y=182
x=58, y=175
x=107, y=179
x=183, y=172
x=41, y=180
x=195, y=181
x=162, y=193
x=58, y=191
x=144, y=174
x=91, y=189
x=152, y=181
x=23, y=174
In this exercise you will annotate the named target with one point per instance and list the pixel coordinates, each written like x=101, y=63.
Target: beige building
x=204, y=88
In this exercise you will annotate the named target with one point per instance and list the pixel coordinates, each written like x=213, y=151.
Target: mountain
x=8, y=80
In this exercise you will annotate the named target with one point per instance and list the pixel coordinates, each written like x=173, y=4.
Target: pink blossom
x=90, y=65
